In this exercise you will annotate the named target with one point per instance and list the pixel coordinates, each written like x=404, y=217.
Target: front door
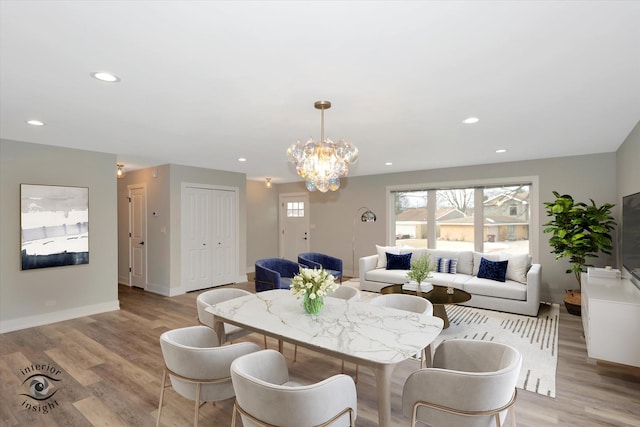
x=138, y=235
x=294, y=225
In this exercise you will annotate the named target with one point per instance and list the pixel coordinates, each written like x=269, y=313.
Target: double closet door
x=209, y=236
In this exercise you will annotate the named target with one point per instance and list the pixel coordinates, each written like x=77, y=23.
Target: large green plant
x=579, y=231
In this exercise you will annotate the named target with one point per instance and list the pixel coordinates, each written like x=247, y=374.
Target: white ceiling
x=204, y=82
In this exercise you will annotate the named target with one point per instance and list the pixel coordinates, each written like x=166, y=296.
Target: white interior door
x=209, y=236
x=138, y=235
x=294, y=225
x=224, y=236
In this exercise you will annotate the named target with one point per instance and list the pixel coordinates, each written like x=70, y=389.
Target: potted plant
x=420, y=270
x=579, y=231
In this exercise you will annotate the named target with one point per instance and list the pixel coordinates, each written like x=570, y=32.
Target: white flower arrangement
x=313, y=283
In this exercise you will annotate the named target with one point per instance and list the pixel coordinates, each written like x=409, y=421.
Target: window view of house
x=503, y=218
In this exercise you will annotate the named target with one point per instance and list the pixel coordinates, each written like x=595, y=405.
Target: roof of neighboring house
x=420, y=214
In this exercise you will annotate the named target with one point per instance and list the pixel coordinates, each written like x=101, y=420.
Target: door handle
x=142, y=243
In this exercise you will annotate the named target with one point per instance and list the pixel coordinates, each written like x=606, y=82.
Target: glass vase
x=313, y=306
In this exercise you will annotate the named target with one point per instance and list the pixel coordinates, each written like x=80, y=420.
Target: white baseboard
x=163, y=290
x=124, y=280
x=57, y=316
x=242, y=278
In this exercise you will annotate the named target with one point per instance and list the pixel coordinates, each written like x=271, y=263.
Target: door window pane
x=295, y=209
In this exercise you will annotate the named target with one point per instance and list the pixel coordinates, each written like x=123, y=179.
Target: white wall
x=35, y=297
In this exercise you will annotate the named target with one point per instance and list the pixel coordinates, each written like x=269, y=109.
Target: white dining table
x=356, y=331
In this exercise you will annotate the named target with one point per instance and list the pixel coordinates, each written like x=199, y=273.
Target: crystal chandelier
x=322, y=164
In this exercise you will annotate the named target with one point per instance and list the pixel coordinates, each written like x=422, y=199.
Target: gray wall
x=628, y=168
x=584, y=177
x=34, y=297
x=164, y=197
x=262, y=222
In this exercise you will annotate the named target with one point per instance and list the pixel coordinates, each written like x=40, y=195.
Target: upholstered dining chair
x=411, y=303
x=214, y=296
x=316, y=260
x=265, y=396
x=275, y=273
x=198, y=368
x=471, y=384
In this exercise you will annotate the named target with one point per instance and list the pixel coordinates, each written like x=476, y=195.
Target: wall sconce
x=267, y=183
x=120, y=173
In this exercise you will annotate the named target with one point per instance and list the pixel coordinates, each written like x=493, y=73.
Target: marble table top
x=362, y=331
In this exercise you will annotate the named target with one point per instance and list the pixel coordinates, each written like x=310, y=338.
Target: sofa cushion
x=476, y=260
x=493, y=270
x=518, y=266
x=491, y=288
x=382, y=251
x=445, y=279
x=446, y=265
x=465, y=259
x=398, y=262
x=392, y=277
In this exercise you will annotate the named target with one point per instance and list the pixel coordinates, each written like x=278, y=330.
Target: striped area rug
x=535, y=337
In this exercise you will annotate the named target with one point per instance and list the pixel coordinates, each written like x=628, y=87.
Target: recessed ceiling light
x=242, y=159
x=388, y=164
x=105, y=77
x=501, y=150
x=35, y=122
x=470, y=120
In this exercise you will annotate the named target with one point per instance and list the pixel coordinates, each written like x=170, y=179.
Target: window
x=295, y=209
x=483, y=218
x=506, y=219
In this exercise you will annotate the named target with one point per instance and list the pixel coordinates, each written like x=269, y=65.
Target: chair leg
x=162, y=387
x=233, y=415
x=265, y=342
x=197, y=412
x=295, y=353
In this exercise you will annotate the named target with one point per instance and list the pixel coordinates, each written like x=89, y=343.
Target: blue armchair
x=275, y=273
x=316, y=260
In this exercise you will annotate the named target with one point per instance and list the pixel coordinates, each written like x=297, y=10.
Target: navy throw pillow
x=493, y=270
x=398, y=262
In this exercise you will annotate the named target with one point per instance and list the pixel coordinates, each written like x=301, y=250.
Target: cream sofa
x=520, y=293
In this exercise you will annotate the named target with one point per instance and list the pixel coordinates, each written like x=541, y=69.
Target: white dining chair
x=197, y=366
x=471, y=384
x=413, y=304
x=214, y=296
x=265, y=396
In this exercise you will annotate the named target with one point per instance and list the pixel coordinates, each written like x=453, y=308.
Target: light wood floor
x=111, y=367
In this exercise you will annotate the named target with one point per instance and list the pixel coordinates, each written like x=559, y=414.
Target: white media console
x=611, y=319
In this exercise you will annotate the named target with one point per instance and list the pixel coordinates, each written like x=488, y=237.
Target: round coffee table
x=438, y=297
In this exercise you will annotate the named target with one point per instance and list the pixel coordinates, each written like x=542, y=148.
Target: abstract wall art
x=54, y=224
